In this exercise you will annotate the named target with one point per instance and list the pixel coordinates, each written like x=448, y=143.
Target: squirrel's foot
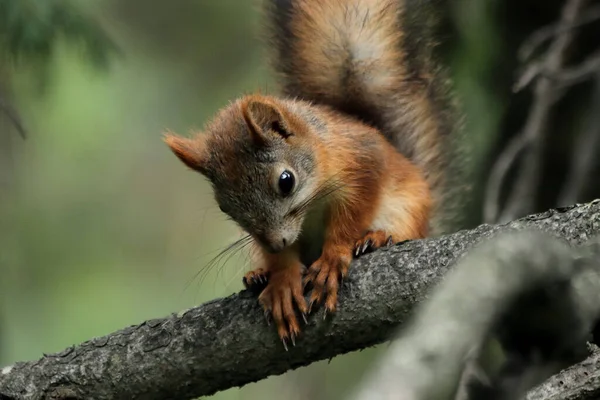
x=256, y=280
x=277, y=299
x=325, y=274
x=372, y=241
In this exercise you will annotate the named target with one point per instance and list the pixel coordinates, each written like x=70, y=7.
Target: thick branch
x=579, y=382
x=532, y=296
x=226, y=343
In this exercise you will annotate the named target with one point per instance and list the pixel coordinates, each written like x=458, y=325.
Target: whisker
x=215, y=261
x=327, y=188
x=223, y=259
x=247, y=259
x=234, y=252
x=324, y=184
x=318, y=193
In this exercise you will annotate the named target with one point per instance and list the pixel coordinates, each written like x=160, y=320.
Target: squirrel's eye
x=286, y=182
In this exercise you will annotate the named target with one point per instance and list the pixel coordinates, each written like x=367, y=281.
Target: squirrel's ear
x=265, y=121
x=191, y=151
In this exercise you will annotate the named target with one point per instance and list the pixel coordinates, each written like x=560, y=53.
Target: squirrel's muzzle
x=273, y=243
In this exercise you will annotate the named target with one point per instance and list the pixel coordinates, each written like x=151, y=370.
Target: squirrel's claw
x=267, y=314
x=389, y=241
x=280, y=298
x=304, y=317
x=324, y=275
x=372, y=241
x=256, y=280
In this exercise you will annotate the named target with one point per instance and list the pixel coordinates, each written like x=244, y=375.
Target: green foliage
x=31, y=29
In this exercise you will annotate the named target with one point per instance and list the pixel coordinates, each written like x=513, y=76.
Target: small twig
x=521, y=200
x=491, y=205
x=13, y=115
x=578, y=74
x=528, y=75
x=584, y=156
x=548, y=32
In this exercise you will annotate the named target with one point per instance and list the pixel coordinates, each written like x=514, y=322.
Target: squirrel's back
x=373, y=59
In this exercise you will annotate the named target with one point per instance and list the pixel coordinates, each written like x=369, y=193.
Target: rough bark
x=579, y=382
x=226, y=342
x=510, y=314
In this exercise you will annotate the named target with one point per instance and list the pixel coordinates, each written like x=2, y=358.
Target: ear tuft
x=265, y=121
x=191, y=151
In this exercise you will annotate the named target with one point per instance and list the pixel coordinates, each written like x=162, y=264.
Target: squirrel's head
x=260, y=160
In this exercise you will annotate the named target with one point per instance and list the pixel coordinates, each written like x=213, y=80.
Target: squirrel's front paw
x=282, y=291
x=256, y=280
x=324, y=276
x=372, y=241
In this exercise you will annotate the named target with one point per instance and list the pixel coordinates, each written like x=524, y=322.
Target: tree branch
x=226, y=343
x=579, y=382
x=548, y=32
x=532, y=297
x=574, y=75
x=493, y=188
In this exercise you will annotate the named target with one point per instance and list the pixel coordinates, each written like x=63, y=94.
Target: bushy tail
x=374, y=59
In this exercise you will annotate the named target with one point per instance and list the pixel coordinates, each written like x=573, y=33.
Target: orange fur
x=373, y=59
x=372, y=189
x=189, y=151
x=362, y=128
x=283, y=291
x=382, y=190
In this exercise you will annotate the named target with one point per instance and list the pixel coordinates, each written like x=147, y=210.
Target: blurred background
x=102, y=227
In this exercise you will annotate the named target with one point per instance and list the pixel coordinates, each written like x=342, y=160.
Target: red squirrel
x=353, y=155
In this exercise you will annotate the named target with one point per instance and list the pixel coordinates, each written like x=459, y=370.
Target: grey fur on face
x=244, y=182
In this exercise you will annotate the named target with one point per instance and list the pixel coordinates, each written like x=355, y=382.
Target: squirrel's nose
x=278, y=245
x=274, y=245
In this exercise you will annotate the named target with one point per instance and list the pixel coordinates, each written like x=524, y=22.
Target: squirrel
x=354, y=155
